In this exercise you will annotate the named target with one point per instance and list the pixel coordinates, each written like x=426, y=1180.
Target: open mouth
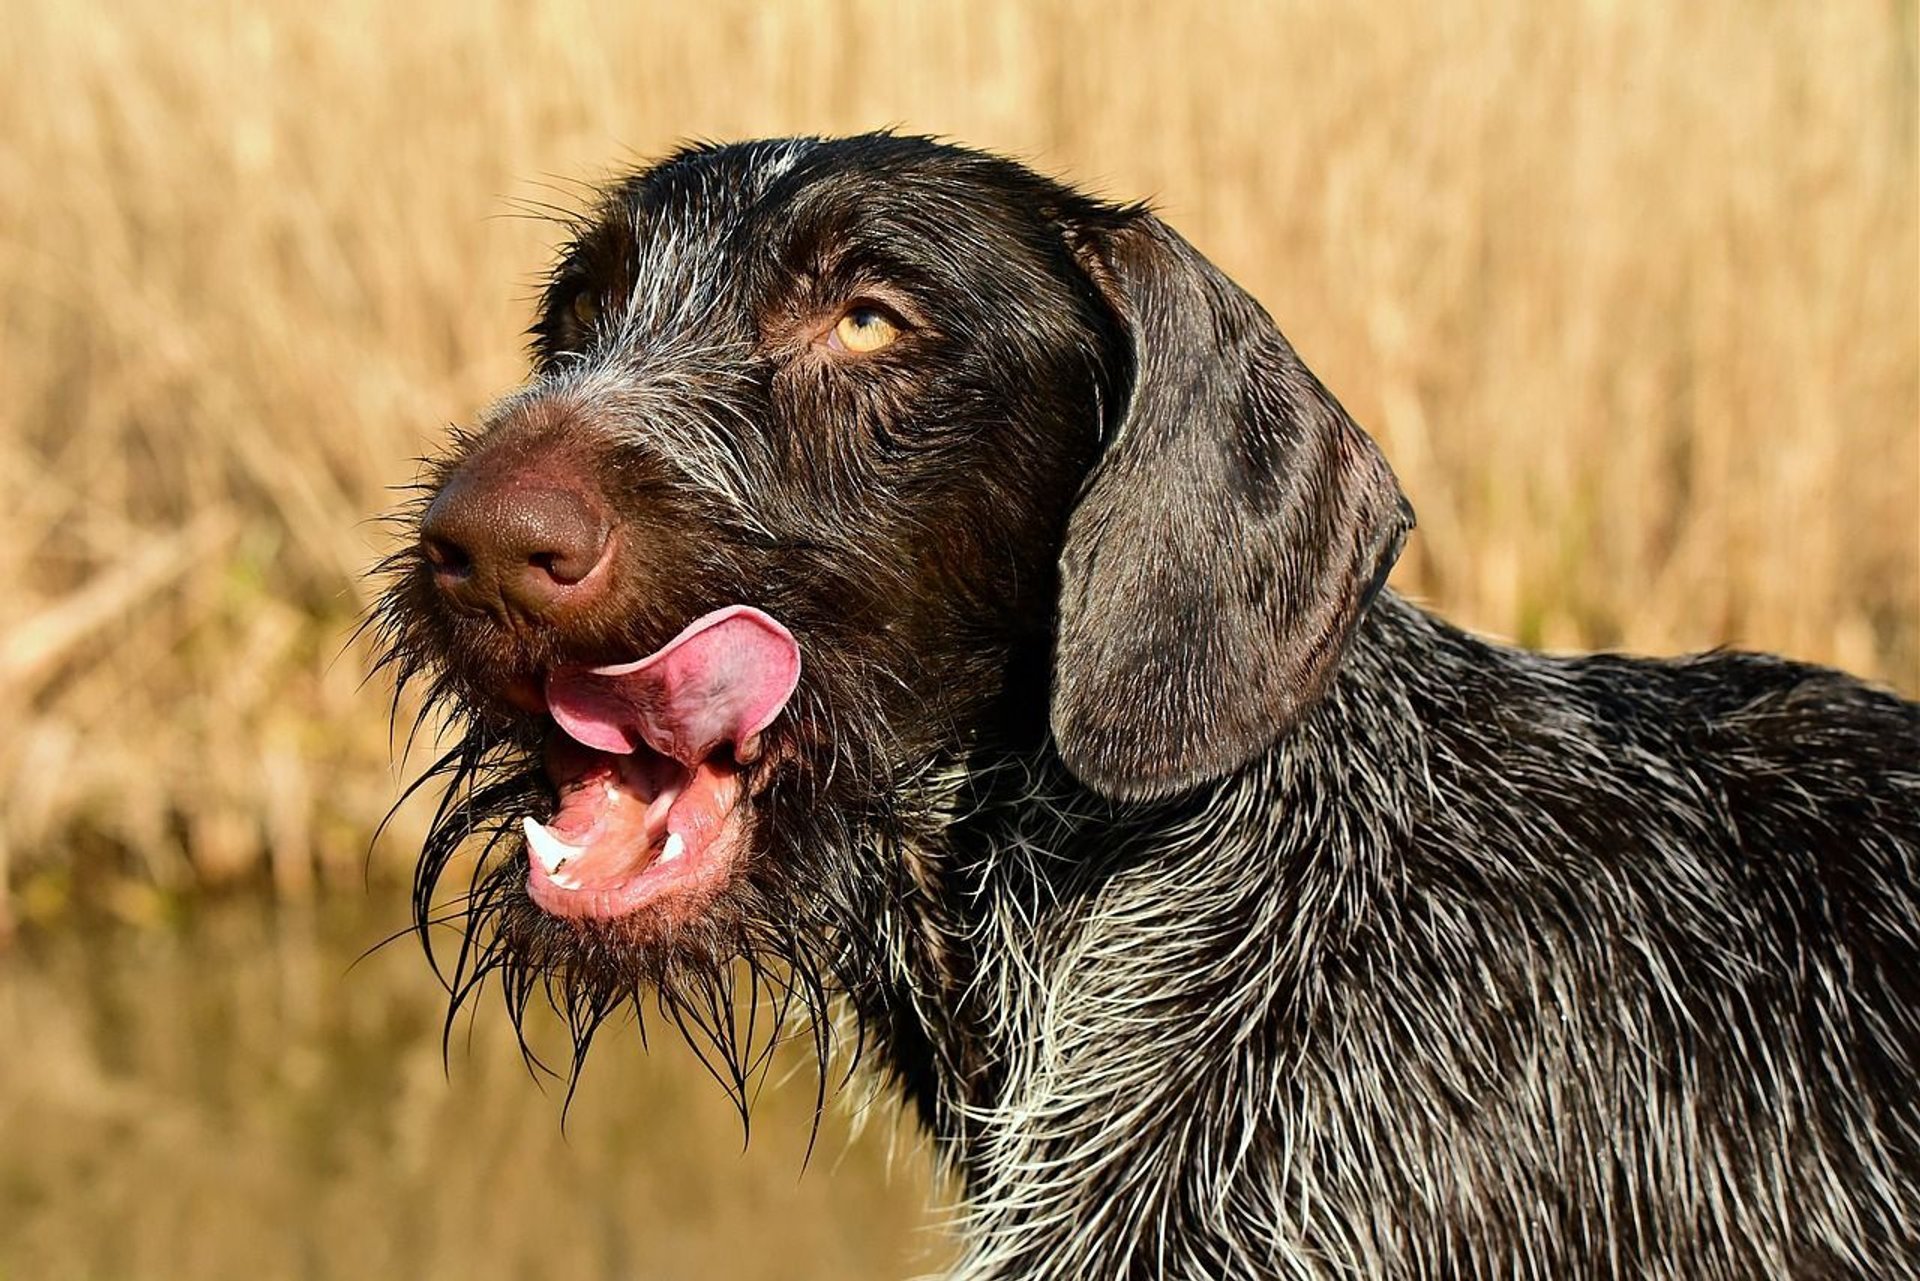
x=647, y=766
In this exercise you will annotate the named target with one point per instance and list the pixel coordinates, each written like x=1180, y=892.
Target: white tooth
x=673, y=849
x=548, y=848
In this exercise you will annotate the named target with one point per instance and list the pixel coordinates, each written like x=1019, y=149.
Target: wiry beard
x=765, y=963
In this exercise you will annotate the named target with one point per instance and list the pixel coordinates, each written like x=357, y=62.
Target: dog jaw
x=650, y=813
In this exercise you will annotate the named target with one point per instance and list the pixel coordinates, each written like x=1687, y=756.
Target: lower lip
x=710, y=825
x=676, y=888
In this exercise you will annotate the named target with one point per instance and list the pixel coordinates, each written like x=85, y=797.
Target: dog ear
x=1226, y=543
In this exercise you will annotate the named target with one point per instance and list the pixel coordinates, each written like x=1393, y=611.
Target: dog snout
x=522, y=545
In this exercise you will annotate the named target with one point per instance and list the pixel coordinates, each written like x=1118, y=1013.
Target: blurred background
x=1628, y=290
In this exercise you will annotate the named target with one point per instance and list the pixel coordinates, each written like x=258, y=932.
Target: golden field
x=1626, y=290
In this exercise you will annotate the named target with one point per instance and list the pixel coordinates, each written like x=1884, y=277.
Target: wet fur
x=1492, y=965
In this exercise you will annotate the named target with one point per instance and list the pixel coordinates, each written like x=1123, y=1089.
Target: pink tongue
x=722, y=680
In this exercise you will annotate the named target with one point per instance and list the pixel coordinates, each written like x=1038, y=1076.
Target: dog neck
x=1034, y=886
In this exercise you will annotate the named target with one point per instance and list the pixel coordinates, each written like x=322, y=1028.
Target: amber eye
x=863, y=329
x=586, y=309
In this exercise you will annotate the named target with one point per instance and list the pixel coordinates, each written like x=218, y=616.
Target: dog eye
x=586, y=309
x=863, y=329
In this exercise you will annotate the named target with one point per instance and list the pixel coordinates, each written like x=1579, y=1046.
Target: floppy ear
x=1226, y=543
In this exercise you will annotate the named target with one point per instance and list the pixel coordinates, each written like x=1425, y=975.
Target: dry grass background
x=1626, y=289
x=219, y=1102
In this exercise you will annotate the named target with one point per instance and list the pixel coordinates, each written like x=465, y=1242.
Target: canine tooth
x=548, y=848
x=676, y=846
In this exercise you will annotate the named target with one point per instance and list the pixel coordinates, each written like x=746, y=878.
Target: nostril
x=501, y=539
x=446, y=557
x=567, y=568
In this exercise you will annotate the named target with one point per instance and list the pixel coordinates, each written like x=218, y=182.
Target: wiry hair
x=1219, y=912
x=758, y=969
x=1504, y=965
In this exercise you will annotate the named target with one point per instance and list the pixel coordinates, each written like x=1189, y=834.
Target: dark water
x=233, y=1097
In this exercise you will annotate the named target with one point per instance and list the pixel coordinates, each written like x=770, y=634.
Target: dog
x=910, y=589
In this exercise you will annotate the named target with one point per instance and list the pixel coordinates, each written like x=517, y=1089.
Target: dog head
x=844, y=463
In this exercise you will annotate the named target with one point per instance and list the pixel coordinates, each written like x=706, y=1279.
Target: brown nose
x=516, y=546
